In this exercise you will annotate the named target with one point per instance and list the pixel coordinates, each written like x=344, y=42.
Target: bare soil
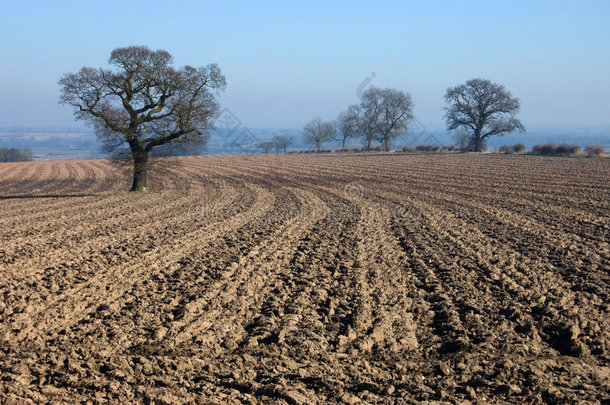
x=306, y=279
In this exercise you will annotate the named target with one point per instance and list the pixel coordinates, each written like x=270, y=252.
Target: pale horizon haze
x=289, y=61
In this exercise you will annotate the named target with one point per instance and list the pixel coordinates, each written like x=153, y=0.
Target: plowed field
x=307, y=279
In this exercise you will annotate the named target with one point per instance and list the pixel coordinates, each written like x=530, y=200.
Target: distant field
x=53, y=145
x=307, y=279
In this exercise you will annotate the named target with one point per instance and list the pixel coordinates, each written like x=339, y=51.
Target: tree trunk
x=140, y=170
x=478, y=141
x=368, y=143
x=344, y=138
x=318, y=144
x=386, y=144
x=478, y=144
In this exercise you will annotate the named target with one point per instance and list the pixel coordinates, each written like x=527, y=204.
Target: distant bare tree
x=348, y=125
x=16, y=155
x=482, y=108
x=462, y=139
x=594, y=150
x=318, y=132
x=266, y=146
x=367, y=123
x=390, y=110
x=144, y=102
x=281, y=142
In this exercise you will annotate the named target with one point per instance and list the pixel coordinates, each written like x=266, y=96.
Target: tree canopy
x=390, y=111
x=382, y=115
x=317, y=132
x=481, y=109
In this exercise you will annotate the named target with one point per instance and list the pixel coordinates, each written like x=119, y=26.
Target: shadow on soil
x=27, y=196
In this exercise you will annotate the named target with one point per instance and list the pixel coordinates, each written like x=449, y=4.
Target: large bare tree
x=390, y=111
x=318, y=132
x=483, y=109
x=144, y=102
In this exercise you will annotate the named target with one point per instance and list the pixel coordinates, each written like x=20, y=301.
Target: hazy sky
x=289, y=61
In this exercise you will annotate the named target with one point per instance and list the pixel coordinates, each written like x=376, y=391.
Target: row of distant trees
x=476, y=111
x=381, y=116
x=565, y=150
x=16, y=155
x=543, y=149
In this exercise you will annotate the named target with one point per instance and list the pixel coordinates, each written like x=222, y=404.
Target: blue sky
x=289, y=61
